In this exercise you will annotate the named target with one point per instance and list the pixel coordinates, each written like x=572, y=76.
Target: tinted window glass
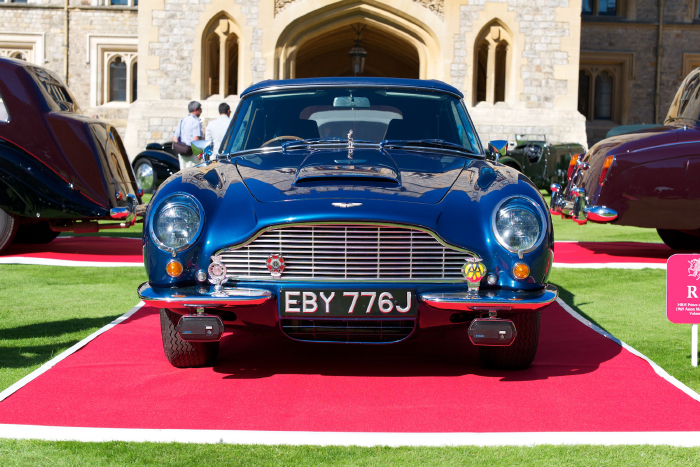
x=373, y=115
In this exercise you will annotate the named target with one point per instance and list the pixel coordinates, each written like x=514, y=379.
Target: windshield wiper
x=426, y=143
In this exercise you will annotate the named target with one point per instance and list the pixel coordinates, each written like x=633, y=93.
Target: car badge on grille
x=473, y=271
x=346, y=205
x=275, y=264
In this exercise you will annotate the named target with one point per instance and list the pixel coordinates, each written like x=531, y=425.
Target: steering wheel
x=270, y=141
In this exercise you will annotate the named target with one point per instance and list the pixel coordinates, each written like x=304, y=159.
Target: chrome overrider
x=573, y=203
x=492, y=300
x=202, y=297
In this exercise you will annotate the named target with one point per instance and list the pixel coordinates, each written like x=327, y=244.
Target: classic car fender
x=33, y=189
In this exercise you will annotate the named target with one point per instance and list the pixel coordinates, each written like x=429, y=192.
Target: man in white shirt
x=216, y=129
x=189, y=129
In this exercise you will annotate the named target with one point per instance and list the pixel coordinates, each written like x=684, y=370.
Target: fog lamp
x=492, y=279
x=174, y=268
x=521, y=271
x=201, y=275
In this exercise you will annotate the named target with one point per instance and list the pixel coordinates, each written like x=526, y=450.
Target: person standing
x=216, y=129
x=189, y=129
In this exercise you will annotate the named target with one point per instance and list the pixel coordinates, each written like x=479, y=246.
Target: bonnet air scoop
x=346, y=171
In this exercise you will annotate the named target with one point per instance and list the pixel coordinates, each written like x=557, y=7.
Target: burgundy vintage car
x=59, y=171
x=649, y=178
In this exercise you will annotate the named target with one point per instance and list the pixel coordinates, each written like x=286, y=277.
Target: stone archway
x=387, y=55
x=403, y=46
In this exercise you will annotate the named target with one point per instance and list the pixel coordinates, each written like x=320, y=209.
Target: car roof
x=433, y=85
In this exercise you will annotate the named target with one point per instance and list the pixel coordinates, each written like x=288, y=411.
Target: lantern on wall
x=357, y=53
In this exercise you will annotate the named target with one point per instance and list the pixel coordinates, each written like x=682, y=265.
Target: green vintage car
x=543, y=162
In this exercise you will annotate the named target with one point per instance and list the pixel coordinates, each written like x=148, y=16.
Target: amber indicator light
x=606, y=166
x=174, y=268
x=521, y=271
x=572, y=164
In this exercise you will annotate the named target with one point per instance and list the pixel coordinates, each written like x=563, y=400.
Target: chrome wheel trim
x=7, y=225
x=145, y=176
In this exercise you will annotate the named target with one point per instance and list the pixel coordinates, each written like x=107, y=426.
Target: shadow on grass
x=54, y=328
x=568, y=298
x=25, y=356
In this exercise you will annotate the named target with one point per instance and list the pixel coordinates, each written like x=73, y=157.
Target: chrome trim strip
x=201, y=296
x=492, y=300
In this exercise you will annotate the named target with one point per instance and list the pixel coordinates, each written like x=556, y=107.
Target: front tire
x=182, y=354
x=8, y=229
x=520, y=354
x=679, y=240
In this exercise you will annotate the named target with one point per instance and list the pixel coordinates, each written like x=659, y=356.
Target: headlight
x=519, y=224
x=176, y=222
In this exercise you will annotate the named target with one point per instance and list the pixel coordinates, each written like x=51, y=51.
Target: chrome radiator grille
x=347, y=252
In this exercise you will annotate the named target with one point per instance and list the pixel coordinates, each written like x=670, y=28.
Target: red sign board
x=683, y=289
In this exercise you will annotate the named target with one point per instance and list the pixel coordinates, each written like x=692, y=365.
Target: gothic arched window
x=493, y=54
x=220, y=59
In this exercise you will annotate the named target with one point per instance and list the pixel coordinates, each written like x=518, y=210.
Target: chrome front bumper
x=573, y=204
x=202, y=297
x=492, y=300
x=482, y=300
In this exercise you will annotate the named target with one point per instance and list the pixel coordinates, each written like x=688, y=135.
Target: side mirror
x=496, y=149
x=202, y=146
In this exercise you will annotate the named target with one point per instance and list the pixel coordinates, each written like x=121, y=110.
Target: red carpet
x=580, y=381
x=105, y=249
x=93, y=249
x=611, y=252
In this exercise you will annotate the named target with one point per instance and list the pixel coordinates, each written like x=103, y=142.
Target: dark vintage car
x=648, y=178
x=59, y=171
x=544, y=162
x=350, y=210
x=154, y=165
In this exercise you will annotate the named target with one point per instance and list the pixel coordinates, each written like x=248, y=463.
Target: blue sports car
x=350, y=210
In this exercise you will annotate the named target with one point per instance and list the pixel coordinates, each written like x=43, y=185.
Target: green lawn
x=40, y=453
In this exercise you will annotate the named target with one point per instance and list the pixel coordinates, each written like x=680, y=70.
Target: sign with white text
x=683, y=289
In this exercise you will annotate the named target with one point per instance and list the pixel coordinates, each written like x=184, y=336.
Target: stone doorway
x=327, y=55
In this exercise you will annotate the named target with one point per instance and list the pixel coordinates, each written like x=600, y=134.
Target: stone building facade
x=625, y=45
x=524, y=66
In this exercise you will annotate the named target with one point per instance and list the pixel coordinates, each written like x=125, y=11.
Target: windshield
x=273, y=118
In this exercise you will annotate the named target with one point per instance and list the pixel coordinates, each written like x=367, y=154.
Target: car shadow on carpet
x=566, y=348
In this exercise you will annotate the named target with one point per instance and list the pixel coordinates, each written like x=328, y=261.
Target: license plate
x=347, y=303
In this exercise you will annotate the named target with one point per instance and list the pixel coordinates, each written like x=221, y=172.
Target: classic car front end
x=349, y=211
x=648, y=178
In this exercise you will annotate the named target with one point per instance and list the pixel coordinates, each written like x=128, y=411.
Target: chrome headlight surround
x=179, y=199
x=530, y=203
